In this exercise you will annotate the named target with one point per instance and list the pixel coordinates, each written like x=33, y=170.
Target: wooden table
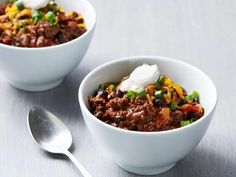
x=200, y=32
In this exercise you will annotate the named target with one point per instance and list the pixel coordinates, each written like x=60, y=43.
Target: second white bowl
x=148, y=153
x=38, y=69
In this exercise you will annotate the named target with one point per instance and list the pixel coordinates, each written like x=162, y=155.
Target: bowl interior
x=184, y=74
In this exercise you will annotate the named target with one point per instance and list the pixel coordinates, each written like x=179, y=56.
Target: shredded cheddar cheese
x=25, y=12
x=5, y=26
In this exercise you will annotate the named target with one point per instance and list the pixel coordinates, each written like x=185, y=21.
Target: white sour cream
x=35, y=4
x=140, y=78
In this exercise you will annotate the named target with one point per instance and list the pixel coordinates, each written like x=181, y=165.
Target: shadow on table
x=62, y=100
x=201, y=163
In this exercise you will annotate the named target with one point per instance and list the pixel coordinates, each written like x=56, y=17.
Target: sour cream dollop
x=140, y=78
x=35, y=4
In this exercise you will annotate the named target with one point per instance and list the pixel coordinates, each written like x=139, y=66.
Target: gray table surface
x=200, y=32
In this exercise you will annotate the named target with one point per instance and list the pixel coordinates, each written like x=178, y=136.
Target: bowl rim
x=59, y=45
x=123, y=59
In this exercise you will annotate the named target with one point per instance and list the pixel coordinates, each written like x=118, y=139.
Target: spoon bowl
x=48, y=131
x=52, y=135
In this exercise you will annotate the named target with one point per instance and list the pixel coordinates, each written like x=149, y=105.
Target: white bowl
x=148, y=153
x=38, y=69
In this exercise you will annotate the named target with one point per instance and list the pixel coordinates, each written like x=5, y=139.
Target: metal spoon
x=52, y=135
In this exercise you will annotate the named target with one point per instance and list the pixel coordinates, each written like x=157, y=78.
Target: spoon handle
x=83, y=171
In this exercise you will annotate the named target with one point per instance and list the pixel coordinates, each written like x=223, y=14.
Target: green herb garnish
x=53, y=8
x=158, y=86
x=159, y=94
x=51, y=18
x=20, y=5
x=184, y=123
x=188, y=98
x=131, y=94
x=173, y=106
x=141, y=93
x=192, y=120
x=161, y=79
x=36, y=16
x=195, y=95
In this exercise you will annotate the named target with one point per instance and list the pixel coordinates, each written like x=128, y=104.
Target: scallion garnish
x=173, y=106
x=188, y=99
x=131, y=95
x=53, y=8
x=141, y=93
x=184, y=123
x=20, y=5
x=51, y=18
x=159, y=94
x=192, y=120
x=195, y=95
x=158, y=86
x=161, y=79
x=36, y=16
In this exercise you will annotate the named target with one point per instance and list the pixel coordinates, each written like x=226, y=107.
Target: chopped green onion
x=36, y=16
x=125, y=78
x=192, y=120
x=131, y=94
x=158, y=86
x=195, y=95
x=20, y=5
x=12, y=1
x=188, y=98
x=35, y=13
x=161, y=79
x=184, y=123
x=173, y=106
x=51, y=18
x=159, y=94
x=141, y=93
x=53, y=8
x=36, y=19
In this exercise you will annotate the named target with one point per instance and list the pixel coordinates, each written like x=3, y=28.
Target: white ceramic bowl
x=38, y=69
x=148, y=153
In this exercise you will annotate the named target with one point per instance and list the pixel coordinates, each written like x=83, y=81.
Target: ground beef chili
x=163, y=105
x=49, y=26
